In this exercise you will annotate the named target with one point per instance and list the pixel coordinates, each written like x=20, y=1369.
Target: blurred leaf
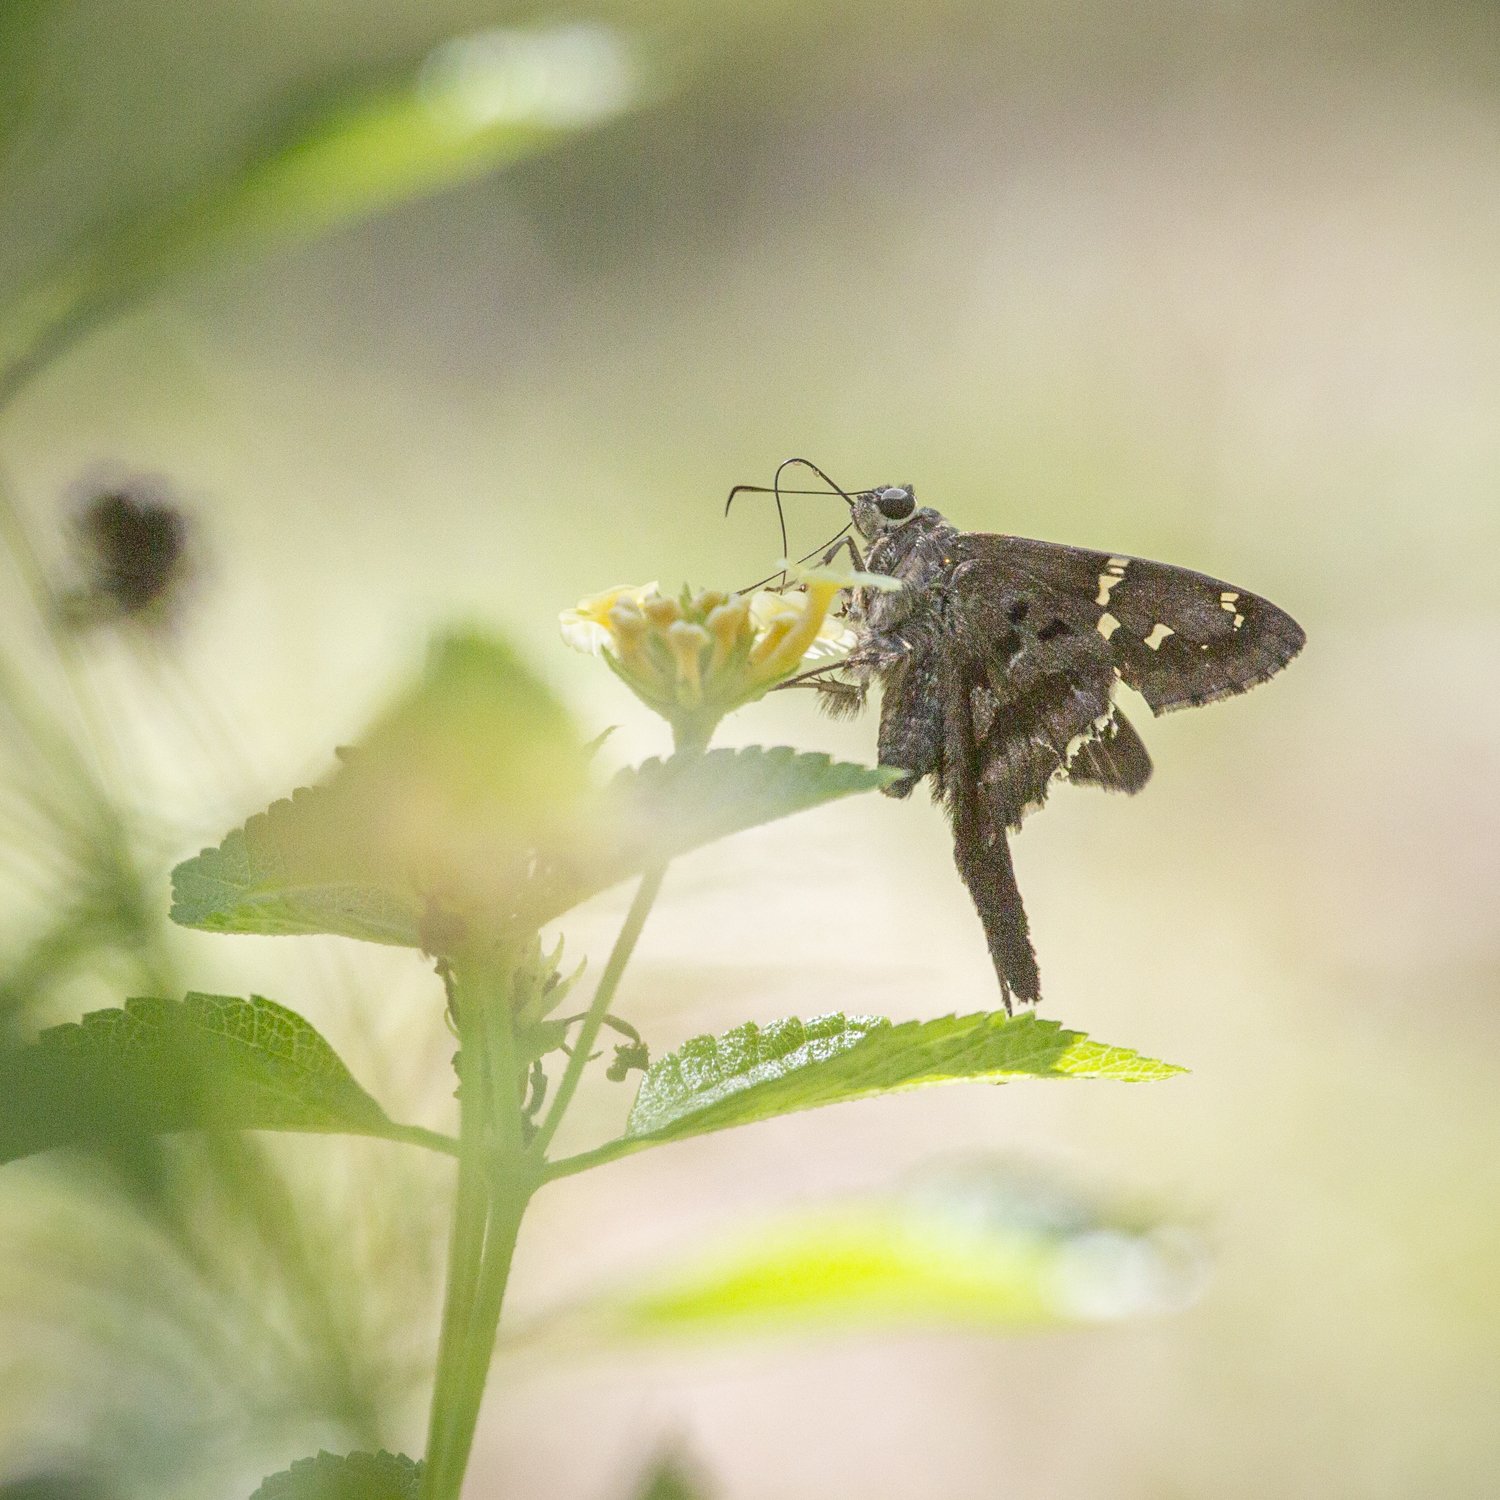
x=665, y=808
x=476, y=103
x=959, y=1255
x=671, y=1479
x=286, y=872
x=470, y=800
x=157, y=1066
x=24, y=27
x=442, y=800
x=758, y=1072
x=353, y=1476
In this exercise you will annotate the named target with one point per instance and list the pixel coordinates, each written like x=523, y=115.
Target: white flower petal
x=585, y=627
x=582, y=633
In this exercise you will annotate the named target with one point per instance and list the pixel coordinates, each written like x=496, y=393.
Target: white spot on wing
x=1159, y=633
x=1108, y=625
x=1114, y=571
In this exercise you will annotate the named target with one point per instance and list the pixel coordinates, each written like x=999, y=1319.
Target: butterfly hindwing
x=1115, y=758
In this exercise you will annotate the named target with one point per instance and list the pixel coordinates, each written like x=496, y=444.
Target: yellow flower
x=586, y=627
x=771, y=610
x=695, y=658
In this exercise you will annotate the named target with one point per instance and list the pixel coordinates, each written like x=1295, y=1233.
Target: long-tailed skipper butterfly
x=997, y=662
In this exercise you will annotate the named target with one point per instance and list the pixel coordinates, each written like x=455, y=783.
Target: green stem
x=499, y=1172
x=495, y=1185
x=635, y=919
x=484, y=1324
x=465, y=1257
x=690, y=737
x=598, y=1156
x=420, y=1135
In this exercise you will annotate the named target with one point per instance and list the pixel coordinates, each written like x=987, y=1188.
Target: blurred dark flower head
x=132, y=541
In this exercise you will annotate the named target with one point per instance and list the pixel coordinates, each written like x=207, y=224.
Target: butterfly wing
x=1179, y=638
x=1114, y=758
x=998, y=663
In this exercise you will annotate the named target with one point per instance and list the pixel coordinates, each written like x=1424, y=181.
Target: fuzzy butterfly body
x=998, y=660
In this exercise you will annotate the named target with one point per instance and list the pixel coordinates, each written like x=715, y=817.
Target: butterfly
x=998, y=661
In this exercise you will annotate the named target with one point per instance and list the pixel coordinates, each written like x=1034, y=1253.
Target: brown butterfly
x=998, y=660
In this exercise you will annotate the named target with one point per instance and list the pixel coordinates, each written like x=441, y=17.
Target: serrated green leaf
x=350, y=1476
x=159, y=1066
x=757, y=1072
x=472, y=795
x=471, y=106
x=664, y=808
x=288, y=871
x=442, y=801
x=971, y=1250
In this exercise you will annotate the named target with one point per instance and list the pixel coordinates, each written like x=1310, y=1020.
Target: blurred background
x=1209, y=282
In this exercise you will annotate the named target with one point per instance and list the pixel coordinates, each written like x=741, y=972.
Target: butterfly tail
x=982, y=853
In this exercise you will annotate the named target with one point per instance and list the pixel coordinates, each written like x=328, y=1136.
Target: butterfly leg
x=845, y=544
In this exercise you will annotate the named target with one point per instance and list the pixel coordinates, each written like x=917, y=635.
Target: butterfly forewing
x=1179, y=638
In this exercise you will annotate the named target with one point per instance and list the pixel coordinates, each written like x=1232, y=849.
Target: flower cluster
x=695, y=658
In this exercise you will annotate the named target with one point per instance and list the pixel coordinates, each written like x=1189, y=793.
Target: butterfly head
x=878, y=512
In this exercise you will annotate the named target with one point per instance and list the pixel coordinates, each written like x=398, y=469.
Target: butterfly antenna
x=807, y=463
x=775, y=489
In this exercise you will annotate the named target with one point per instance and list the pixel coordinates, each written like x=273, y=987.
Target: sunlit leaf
x=444, y=798
x=351, y=1476
x=471, y=800
x=980, y=1250
x=159, y=1066
x=476, y=103
x=757, y=1072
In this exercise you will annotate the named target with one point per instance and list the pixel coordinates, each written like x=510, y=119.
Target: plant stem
x=465, y=1256
x=495, y=1184
x=569, y=1166
x=499, y=1171
x=690, y=738
x=630, y=931
x=484, y=1323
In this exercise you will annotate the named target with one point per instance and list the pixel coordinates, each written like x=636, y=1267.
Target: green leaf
x=158, y=1066
x=664, y=808
x=351, y=1476
x=755, y=1072
x=975, y=1249
x=471, y=798
x=474, y=104
x=24, y=33
x=442, y=801
x=758, y=1072
x=285, y=872
x=671, y=1478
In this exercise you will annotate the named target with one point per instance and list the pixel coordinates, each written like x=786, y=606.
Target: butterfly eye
x=896, y=504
